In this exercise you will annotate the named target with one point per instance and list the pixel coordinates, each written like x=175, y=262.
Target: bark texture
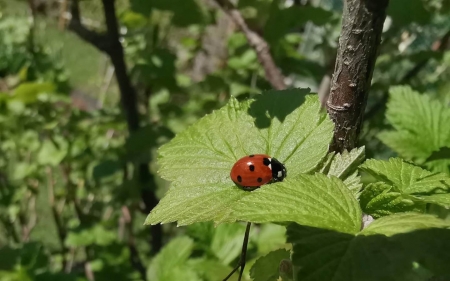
x=360, y=38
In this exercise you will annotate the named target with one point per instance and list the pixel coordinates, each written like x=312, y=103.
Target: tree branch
x=99, y=40
x=360, y=38
x=261, y=47
x=128, y=99
x=109, y=43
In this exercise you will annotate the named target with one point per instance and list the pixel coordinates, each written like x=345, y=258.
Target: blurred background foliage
x=70, y=209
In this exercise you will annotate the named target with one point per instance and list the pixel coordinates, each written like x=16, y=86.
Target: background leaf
x=266, y=268
x=171, y=262
x=422, y=125
x=327, y=255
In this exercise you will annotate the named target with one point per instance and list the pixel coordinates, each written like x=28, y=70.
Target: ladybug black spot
x=251, y=155
x=266, y=161
x=251, y=167
x=239, y=178
x=259, y=179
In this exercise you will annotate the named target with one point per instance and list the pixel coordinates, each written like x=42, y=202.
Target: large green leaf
x=422, y=125
x=406, y=177
x=313, y=200
x=400, y=183
x=199, y=159
x=326, y=255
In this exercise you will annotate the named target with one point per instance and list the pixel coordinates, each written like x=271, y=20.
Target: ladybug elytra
x=252, y=171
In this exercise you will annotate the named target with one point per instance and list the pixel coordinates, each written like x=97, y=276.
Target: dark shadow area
x=276, y=104
x=329, y=255
x=441, y=154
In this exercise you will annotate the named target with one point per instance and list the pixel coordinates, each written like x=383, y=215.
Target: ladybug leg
x=242, y=259
x=250, y=188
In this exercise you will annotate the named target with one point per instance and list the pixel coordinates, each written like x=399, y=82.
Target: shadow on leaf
x=276, y=104
x=328, y=255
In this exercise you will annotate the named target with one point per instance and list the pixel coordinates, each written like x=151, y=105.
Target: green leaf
x=210, y=270
x=171, y=261
x=196, y=203
x=227, y=242
x=416, y=12
x=52, y=152
x=185, y=12
x=283, y=21
x=106, y=168
x=297, y=136
x=438, y=199
x=378, y=199
x=199, y=159
x=326, y=255
x=270, y=237
x=266, y=268
x=407, y=178
x=422, y=125
x=28, y=92
x=84, y=236
x=313, y=200
x=402, y=223
x=345, y=165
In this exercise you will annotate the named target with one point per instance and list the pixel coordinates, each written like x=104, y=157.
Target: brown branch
x=128, y=98
x=99, y=40
x=110, y=44
x=261, y=47
x=360, y=38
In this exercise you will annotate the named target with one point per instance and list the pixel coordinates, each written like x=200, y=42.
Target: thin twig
x=99, y=40
x=110, y=44
x=261, y=47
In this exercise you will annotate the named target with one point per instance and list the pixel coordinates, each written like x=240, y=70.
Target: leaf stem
x=242, y=259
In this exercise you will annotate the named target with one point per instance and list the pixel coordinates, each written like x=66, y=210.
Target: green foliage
x=68, y=177
x=344, y=166
x=402, y=186
x=326, y=255
x=171, y=262
x=199, y=159
x=422, y=128
x=266, y=268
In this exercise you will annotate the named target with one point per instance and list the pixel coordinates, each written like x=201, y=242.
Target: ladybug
x=254, y=170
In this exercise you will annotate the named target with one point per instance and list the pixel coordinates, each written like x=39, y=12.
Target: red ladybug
x=254, y=170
